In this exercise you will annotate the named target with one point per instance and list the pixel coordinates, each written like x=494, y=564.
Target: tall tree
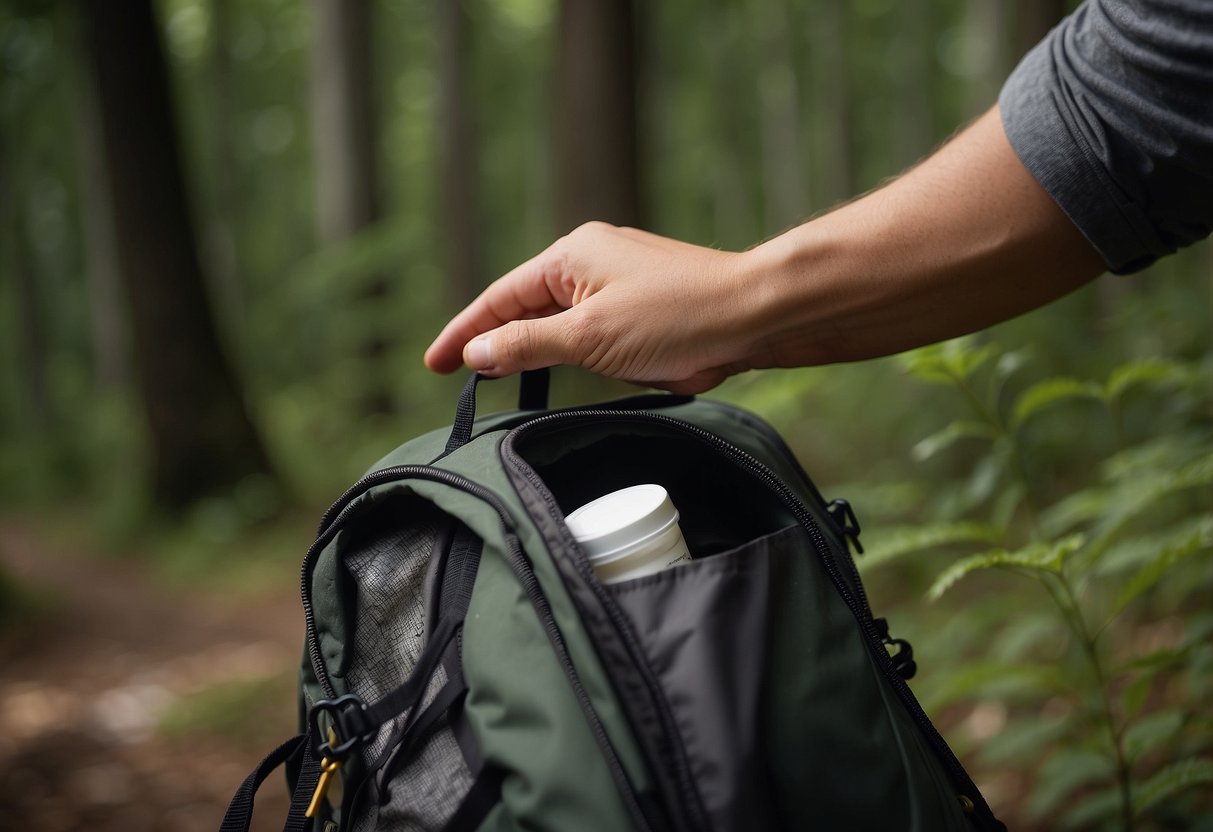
x=461, y=227
x=103, y=268
x=343, y=140
x=913, y=132
x=597, y=170
x=835, y=109
x=201, y=437
x=1033, y=20
x=785, y=182
x=18, y=263
x=221, y=230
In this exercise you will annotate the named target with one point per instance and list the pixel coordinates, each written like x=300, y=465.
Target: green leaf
x=1196, y=542
x=1151, y=731
x=1172, y=780
x=1141, y=372
x=947, y=363
x=1037, y=556
x=998, y=680
x=1077, y=509
x=949, y=436
x=1062, y=774
x=1049, y=392
x=1133, y=697
x=1023, y=741
x=1102, y=805
x=895, y=543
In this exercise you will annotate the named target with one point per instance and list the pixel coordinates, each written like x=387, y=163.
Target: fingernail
x=480, y=353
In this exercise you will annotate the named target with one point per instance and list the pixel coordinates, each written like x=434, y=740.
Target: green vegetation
x=1036, y=500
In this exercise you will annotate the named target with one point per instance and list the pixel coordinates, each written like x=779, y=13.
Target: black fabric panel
x=704, y=626
x=480, y=800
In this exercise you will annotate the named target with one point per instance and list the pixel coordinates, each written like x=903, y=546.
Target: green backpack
x=464, y=669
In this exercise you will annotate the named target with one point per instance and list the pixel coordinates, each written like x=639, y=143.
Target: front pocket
x=704, y=630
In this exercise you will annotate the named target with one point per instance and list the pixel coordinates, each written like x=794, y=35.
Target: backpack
x=464, y=669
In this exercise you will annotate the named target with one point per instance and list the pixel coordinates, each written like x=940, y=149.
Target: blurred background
x=228, y=231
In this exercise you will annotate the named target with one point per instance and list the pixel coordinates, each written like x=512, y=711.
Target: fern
x=949, y=436
x=1050, y=392
x=1195, y=542
x=1142, y=372
x=1041, y=557
x=897, y=542
x=1172, y=780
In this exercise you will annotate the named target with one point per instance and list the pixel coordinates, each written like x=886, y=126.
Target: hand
x=964, y=240
x=620, y=302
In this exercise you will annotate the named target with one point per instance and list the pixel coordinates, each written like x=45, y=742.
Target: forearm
x=963, y=241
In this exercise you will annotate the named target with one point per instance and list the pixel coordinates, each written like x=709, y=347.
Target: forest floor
x=130, y=703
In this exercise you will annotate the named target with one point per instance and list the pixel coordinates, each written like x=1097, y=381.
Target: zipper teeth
x=682, y=766
x=786, y=452
x=522, y=569
x=792, y=502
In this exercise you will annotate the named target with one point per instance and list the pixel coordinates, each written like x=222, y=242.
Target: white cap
x=623, y=521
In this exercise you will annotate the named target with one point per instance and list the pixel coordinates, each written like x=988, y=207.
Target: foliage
x=1110, y=721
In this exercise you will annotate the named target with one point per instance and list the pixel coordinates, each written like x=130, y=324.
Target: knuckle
x=520, y=342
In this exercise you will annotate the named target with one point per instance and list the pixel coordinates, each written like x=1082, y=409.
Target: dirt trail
x=83, y=690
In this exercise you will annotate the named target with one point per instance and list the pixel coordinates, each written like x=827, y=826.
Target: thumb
x=519, y=345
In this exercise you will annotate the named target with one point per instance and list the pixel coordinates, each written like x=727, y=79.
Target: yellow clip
x=328, y=770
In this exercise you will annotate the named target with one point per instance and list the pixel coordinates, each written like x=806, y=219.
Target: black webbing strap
x=240, y=811
x=533, y=389
x=532, y=395
x=305, y=787
x=406, y=697
x=459, y=574
x=419, y=731
x=478, y=802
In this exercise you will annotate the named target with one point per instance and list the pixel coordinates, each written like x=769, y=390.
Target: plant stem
x=1068, y=604
x=992, y=417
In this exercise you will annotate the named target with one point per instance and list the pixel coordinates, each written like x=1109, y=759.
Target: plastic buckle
x=349, y=726
x=844, y=517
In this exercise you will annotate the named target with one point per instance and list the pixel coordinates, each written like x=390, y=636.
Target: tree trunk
x=201, y=437
x=912, y=122
x=832, y=90
x=221, y=228
x=1033, y=20
x=596, y=154
x=987, y=45
x=103, y=269
x=343, y=139
x=784, y=180
x=18, y=263
x=461, y=227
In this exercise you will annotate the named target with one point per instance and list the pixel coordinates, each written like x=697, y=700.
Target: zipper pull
x=843, y=515
x=903, y=659
x=328, y=770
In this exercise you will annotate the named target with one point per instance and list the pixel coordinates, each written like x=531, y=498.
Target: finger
x=537, y=288
x=522, y=345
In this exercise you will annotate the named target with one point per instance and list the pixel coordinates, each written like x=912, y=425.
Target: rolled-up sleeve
x=1113, y=114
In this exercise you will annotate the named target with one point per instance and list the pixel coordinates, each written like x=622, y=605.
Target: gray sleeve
x=1113, y=114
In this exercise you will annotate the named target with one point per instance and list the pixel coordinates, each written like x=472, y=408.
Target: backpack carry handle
x=532, y=395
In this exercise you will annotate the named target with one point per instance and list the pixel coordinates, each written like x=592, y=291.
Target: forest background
x=228, y=230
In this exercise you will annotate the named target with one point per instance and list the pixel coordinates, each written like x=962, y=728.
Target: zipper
x=331, y=523
x=689, y=795
x=781, y=446
x=855, y=601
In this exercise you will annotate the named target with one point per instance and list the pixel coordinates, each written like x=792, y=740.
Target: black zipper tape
x=340, y=510
x=856, y=600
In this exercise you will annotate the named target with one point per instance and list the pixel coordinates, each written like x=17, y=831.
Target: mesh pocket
x=388, y=562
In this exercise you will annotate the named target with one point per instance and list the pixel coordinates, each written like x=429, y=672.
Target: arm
x=964, y=240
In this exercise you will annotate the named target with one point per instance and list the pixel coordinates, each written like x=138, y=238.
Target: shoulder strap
x=240, y=811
